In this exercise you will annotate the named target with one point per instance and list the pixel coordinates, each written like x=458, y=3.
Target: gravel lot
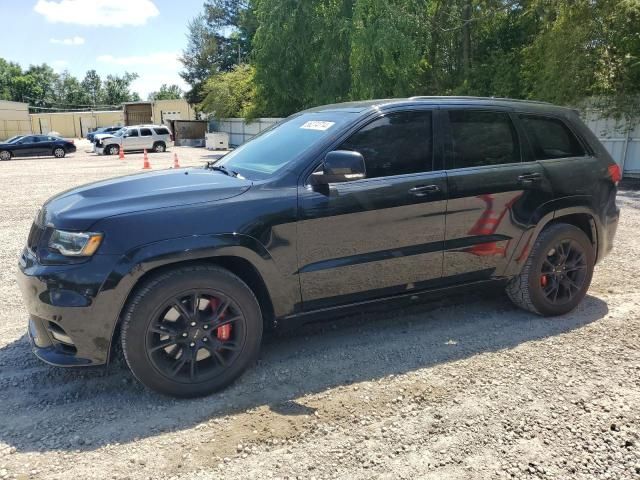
x=454, y=389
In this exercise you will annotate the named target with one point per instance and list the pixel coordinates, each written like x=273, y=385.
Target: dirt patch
x=467, y=388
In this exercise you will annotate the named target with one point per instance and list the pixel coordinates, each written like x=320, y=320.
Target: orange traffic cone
x=176, y=164
x=121, y=155
x=146, y=165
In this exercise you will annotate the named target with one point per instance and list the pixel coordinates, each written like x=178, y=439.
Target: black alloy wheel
x=195, y=336
x=557, y=273
x=563, y=272
x=191, y=330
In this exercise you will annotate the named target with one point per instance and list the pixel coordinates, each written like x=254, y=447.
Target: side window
x=145, y=132
x=132, y=133
x=482, y=138
x=550, y=138
x=161, y=131
x=395, y=144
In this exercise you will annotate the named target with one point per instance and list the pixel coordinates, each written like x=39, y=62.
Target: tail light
x=615, y=173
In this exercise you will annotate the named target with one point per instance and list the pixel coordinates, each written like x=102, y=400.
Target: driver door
x=131, y=140
x=381, y=235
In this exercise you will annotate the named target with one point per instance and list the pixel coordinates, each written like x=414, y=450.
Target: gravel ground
x=454, y=389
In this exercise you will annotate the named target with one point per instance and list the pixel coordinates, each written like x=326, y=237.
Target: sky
x=110, y=36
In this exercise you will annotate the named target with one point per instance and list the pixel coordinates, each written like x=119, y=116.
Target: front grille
x=35, y=235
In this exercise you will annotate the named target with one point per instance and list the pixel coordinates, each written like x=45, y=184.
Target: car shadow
x=46, y=408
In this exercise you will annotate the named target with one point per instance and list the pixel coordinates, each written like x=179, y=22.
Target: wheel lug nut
x=206, y=327
x=193, y=324
x=205, y=339
x=192, y=344
x=184, y=334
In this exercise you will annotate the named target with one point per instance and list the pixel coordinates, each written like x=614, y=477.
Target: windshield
x=273, y=149
x=119, y=133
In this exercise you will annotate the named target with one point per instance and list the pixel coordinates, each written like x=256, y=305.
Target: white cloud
x=103, y=13
x=153, y=69
x=67, y=41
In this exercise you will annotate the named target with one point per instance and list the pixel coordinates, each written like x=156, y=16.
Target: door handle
x=423, y=190
x=529, y=178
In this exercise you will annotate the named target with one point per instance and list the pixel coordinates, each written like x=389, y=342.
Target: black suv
x=334, y=207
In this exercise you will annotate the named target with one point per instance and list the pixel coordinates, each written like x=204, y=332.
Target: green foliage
x=42, y=88
x=231, y=94
x=313, y=52
x=166, y=92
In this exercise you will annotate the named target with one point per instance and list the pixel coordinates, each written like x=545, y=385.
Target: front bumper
x=98, y=150
x=72, y=316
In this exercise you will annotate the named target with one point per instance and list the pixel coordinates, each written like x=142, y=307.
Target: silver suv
x=156, y=138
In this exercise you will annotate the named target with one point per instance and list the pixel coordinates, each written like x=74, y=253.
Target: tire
x=543, y=286
x=5, y=155
x=59, y=152
x=152, y=331
x=159, y=147
x=112, y=150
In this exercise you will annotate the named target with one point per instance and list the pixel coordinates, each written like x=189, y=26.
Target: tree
x=68, y=91
x=166, y=92
x=92, y=85
x=231, y=94
x=116, y=89
x=301, y=53
x=199, y=58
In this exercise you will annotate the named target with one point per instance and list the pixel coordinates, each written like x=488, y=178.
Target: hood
x=103, y=135
x=79, y=208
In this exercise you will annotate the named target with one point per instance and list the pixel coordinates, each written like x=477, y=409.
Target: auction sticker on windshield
x=317, y=125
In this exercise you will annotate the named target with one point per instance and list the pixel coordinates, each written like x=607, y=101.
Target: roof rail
x=436, y=97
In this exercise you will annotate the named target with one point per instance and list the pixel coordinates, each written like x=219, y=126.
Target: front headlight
x=75, y=244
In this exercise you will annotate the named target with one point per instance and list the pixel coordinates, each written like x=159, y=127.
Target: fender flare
x=284, y=293
x=542, y=219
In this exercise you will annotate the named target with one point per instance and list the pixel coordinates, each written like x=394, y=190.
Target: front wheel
x=5, y=155
x=159, y=147
x=557, y=274
x=112, y=150
x=191, y=331
x=59, y=153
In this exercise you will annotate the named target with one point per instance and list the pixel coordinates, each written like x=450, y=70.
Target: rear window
x=145, y=132
x=482, y=138
x=162, y=131
x=550, y=138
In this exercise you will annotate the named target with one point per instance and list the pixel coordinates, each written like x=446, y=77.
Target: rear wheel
x=5, y=155
x=191, y=331
x=557, y=274
x=59, y=152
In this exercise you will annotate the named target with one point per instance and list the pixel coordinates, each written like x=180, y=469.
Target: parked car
x=156, y=138
x=106, y=130
x=334, y=208
x=36, y=146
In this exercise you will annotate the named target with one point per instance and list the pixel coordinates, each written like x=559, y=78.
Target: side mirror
x=340, y=166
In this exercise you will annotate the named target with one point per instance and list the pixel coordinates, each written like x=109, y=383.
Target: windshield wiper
x=221, y=168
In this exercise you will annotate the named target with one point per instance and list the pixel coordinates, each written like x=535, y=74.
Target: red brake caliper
x=543, y=280
x=224, y=332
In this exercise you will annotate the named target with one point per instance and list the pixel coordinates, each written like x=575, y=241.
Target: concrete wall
x=74, y=124
x=239, y=130
x=14, y=119
x=164, y=110
x=620, y=138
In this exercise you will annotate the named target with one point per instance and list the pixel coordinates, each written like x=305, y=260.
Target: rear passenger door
x=146, y=138
x=493, y=191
